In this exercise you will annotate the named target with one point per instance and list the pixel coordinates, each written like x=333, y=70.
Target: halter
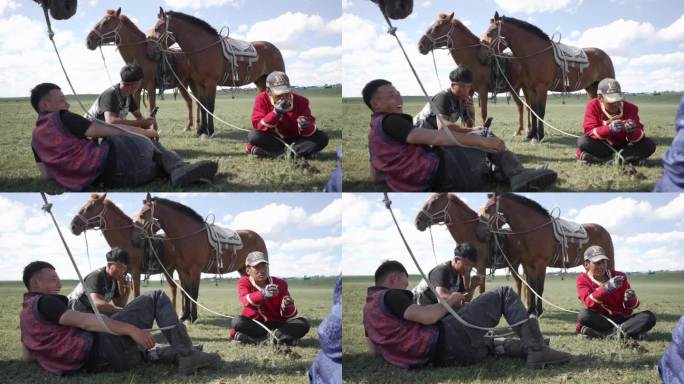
x=164, y=37
x=114, y=32
x=496, y=43
x=441, y=217
x=448, y=40
x=495, y=219
x=99, y=220
x=148, y=225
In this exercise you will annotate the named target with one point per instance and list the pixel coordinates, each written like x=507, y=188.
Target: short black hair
x=466, y=251
x=118, y=255
x=32, y=268
x=130, y=73
x=369, y=90
x=461, y=75
x=39, y=92
x=387, y=267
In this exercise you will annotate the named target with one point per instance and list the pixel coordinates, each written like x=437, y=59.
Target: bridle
x=99, y=220
x=441, y=217
x=102, y=36
x=447, y=39
x=499, y=40
x=497, y=219
x=167, y=35
x=148, y=226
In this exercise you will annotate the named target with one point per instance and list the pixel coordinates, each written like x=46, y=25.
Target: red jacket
x=256, y=307
x=266, y=120
x=596, y=124
x=595, y=297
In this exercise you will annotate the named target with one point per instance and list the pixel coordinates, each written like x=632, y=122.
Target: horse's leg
x=188, y=104
x=195, y=277
x=261, y=83
x=211, y=103
x=184, y=277
x=591, y=90
x=483, y=104
x=531, y=120
x=519, y=105
x=518, y=281
x=153, y=103
x=541, y=111
x=136, y=282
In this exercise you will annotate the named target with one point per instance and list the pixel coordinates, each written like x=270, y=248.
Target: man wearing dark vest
x=77, y=153
x=408, y=335
x=410, y=159
x=108, y=286
x=63, y=341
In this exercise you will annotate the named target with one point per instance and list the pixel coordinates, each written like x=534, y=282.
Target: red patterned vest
x=403, y=343
x=407, y=167
x=72, y=162
x=59, y=349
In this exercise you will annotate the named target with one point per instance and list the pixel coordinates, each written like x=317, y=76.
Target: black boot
x=522, y=179
x=189, y=360
x=512, y=347
x=265, y=154
x=538, y=353
x=182, y=173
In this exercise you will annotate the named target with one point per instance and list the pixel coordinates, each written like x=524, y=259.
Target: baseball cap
x=595, y=253
x=255, y=258
x=278, y=82
x=610, y=90
x=118, y=255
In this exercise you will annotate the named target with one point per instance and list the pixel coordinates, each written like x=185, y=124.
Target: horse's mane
x=533, y=29
x=529, y=203
x=184, y=209
x=455, y=199
x=194, y=21
x=110, y=204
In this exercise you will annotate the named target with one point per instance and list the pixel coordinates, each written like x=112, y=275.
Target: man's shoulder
x=299, y=98
x=628, y=107
x=280, y=282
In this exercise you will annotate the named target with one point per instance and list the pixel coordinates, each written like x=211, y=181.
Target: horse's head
x=490, y=212
x=163, y=30
x=434, y=211
x=91, y=215
x=438, y=35
x=106, y=31
x=145, y=221
x=493, y=36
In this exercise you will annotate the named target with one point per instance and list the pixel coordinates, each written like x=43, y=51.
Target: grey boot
x=522, y=179
x=538, y=353
x=512, y=347
x=182, y=173
x=189, y=360
x=168, y=355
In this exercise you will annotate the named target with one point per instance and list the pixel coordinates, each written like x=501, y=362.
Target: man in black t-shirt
x=49, y=328
x=108, y=286
x=114, y=104
x=449, y=277
x=455, y=343
x=453, y=104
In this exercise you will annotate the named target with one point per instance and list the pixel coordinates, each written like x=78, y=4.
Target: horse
x=468, y=51
x=540, y=74
x=118, y=229
x=136, y=47
x=532, y=230
x=464, y=225
x=187, y=231
x=201, y=43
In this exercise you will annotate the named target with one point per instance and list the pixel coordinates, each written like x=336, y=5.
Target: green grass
x=237, y=170
x=241, y=364
x=594, y=362
x=557, y=152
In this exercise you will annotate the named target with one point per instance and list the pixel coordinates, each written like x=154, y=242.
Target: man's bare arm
x=102, y=305
x=441, y=138
x=113, y=118
x=97, y=129
x=90, y=322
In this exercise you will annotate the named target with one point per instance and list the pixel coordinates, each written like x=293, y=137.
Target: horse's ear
x=148, y=197
x=496, y=16
x=451, y=17
x=104, y=195
x=118, y=12
x=161, y=14
x=490, y=195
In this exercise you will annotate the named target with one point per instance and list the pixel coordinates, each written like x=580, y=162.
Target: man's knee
x=255, y=137
x=648, y=147
x=585, y=316
x=584, y=143
x=322, y=139
x=650, y=319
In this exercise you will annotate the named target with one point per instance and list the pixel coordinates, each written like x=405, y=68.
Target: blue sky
x=301, y=230
x=644, y=38
x=647, y=228
x=306, y=31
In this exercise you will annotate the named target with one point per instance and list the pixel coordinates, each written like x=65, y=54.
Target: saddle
x=566, y=57
x=497, y=80
x=150, y=263
x=221, y=239
x=164, y=77
x=497, y=252
x=235, y=51
x=567, y=232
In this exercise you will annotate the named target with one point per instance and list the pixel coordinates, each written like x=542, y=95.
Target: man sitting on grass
x=607, y=294
x=63, y=341
x=107, y=287
x=408, y=335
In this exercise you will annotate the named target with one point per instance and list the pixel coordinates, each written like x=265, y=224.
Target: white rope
x=105, y=65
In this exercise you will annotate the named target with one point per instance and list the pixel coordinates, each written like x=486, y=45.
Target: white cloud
x=13, y=214
x=426, y=4
x=330, y=215
x=673, y=58
x=321, y=52
x=270, y=220
x=673, y=32
x=346, y=4
x=537, y=6
x=198, y=4
x=672, y=210
x=289, y=30
x=615, y=37
x=615, y=213
x=651, y=238
x=8, y=5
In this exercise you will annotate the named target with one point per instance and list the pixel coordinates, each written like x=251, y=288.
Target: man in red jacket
x=280, y=114
x=266, y=300
x=612, y=124
x=607, y=294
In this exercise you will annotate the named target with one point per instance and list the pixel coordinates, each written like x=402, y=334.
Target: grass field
x=237, y=170
x=594, y=361
x=242, y=364
x=557, y=151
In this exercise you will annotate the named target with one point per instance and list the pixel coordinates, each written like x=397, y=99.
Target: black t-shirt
x=95, y=282
x=112, y=101
x=447, y=104
x=52, y=307
x=440, y=276
x=397, y=126
x=398, y=300
x=76, y=125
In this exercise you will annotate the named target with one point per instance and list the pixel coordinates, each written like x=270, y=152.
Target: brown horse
x=464, y=225
x=187, y=231
x=467, y=51
x=118, y=229
x=136, y=47
x=532, y=48
x=202, y=45
x=532, y=230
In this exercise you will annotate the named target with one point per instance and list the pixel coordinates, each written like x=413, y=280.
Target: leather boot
x=512, y=347
x=168, y=355
x=538, y=353
x=522, y=179
x=182, y=173
x=189, y=360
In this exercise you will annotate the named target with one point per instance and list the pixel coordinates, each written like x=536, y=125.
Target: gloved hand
x=269, y=291
x=614, y=283
x=303, y=122
x=616, y=126
x=282, y=106
x=287, y=301
x=629, y=294
x=630, y=126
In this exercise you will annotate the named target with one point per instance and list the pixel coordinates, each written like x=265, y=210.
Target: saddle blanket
x=567, y=54
x=233, y=47
x=220, y=238
x=565, y=229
